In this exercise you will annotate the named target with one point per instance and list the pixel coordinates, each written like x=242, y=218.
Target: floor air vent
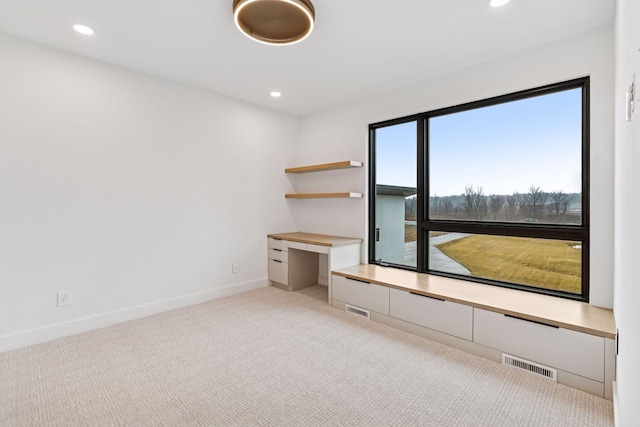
x=545, y=371
x=355, y=310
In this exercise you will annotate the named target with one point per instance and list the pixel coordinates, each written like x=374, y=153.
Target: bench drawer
x=361, y=294
x=443, y=316
x=571, y=351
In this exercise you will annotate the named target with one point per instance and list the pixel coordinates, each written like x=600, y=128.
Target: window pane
x=519, y=161
x=395, y=215
x=541, y=263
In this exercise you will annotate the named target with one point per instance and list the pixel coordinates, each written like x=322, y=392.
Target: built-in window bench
x=574, y=338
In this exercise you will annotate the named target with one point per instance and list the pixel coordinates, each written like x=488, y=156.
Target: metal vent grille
x=355, y=310
x=527, y=365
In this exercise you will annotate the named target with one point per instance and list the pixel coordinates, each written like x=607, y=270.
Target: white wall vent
x=356, y=310
x=527, y=365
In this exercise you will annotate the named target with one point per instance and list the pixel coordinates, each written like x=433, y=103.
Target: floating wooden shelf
x=324, y=195
x=325, y=167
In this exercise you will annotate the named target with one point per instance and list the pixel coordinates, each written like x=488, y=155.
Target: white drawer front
x=571, y=351
x=363, y=295
x=317, y=248
x=443, y=316
x=278, y=254
x=278, y=244
x=297, y=245
x=279, y=272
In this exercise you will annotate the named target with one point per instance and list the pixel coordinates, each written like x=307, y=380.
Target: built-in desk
x=298, y=260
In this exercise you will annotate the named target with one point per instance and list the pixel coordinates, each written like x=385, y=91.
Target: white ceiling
x=358, y=47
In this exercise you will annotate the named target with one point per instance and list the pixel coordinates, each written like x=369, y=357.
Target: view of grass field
x=550, y=264
x=411, y=233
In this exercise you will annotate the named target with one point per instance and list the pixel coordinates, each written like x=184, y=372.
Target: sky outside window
x=508, y=148
x=504, y=148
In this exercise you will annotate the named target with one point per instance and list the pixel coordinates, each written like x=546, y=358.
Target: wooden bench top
x=575, y=315
x=316, y=239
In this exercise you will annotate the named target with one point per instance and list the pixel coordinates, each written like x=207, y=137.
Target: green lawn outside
x=551, y=264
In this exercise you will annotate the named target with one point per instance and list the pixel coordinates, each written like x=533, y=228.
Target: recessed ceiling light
x=497, y=3
x=83, y=29
x=276, y=94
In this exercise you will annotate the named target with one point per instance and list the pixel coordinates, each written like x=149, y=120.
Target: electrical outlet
x=64, y=298
x=235, y=267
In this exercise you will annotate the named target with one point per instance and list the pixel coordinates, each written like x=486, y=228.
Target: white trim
x=76, y=326
x=616, y=423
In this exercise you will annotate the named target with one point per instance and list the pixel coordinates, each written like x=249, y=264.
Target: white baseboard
x=84, y=324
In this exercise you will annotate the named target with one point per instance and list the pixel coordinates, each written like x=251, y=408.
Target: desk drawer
x=571, y=351
x=279, y=271
x=443, y=316
x=278, y=255
x=297, y=245
x=278, y=244
x=318, y=249
x=361, y=294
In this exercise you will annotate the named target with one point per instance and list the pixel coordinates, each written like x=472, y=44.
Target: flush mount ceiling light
x=498, y=3
x=276, y=22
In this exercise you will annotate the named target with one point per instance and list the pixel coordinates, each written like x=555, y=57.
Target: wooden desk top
x=316, y=239
x=575, y=315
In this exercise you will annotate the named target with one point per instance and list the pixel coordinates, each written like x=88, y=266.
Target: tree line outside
x=536, y=205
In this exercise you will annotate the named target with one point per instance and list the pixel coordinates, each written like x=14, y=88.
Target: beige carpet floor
x=273, y=358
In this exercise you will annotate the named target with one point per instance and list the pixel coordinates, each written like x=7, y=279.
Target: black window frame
x=535, y=230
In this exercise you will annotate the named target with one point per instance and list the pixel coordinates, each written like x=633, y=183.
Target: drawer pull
x=427, y=296
x=277, y=250
x=275, y=260
x=275, y=238
x=532, y=321
x=357, y=280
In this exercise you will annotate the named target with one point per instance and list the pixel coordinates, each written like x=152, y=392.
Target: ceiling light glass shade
x=498, y=3
x=277, y=22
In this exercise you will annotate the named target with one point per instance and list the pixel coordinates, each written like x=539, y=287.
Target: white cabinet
x=361, y=294
x=290, y=265
x=443, y=316
x=309, y=258
x=278, y=268
x=572, y=351
x=584, y=360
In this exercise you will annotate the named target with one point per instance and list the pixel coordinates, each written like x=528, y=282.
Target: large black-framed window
x=494, y=191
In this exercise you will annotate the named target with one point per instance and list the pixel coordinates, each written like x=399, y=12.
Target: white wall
x=627, y=213
x=127, y=190
x=341, y=133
